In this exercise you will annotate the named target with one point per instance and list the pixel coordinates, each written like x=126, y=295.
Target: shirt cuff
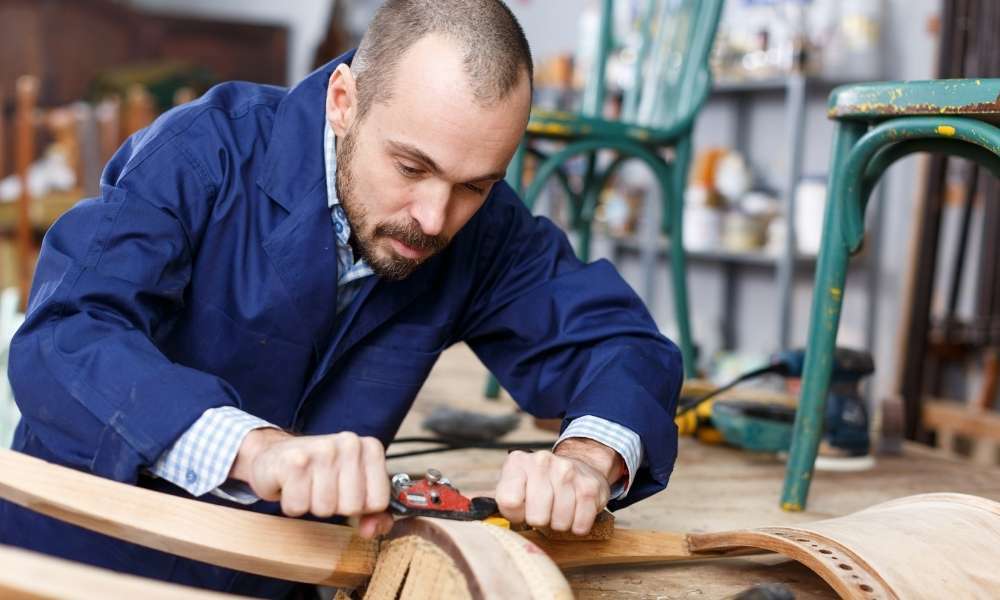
x=619, y=438
x=200, y=460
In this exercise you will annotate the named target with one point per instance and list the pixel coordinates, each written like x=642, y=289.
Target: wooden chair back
x=670, y=73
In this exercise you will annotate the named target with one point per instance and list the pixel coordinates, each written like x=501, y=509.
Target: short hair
x=495, y=49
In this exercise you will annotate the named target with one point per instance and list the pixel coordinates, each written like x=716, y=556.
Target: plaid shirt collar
x=348, y=270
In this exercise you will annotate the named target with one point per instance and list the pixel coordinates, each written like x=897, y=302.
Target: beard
x=365, y=238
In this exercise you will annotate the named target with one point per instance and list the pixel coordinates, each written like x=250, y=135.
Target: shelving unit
x=798, y=90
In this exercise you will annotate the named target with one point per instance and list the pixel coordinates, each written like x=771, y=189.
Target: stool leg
x=673, y=205
x=492, y=387
x=515, y=178
x=588, y=209
x=828, y=294
x=582, y=215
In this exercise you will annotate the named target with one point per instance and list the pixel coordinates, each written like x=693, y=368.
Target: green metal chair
x=877, y=124
x=673, y=81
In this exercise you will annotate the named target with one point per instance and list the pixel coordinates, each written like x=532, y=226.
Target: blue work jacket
x=205, y=275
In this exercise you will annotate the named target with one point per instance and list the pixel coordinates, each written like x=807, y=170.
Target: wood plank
x=626, y=547
x=280, y=547
x=957, y=418
x=31, y=575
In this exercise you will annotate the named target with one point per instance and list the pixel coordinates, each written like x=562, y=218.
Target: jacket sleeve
x=87, y=376
x=568, y=339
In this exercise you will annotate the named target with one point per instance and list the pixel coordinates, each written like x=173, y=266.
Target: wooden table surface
x=712, y=489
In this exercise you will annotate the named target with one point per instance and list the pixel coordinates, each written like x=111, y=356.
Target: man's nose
x=431, y=208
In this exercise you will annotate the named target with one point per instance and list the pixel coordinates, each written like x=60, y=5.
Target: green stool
x=877, y=124
x=657, y=114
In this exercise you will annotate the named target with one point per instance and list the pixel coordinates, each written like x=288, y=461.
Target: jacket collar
x=293, y=164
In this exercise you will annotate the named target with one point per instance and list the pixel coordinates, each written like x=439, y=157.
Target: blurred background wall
x=103, y=68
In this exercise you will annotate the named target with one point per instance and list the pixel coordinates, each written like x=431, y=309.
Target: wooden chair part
x=30, y=575
x=30, y=215
x=437, y=558
x=140, y=109
x=931, y=545
x=442, y=559
x=3, y=135
x=24, y=152
x=924, y=546
x=109, y=127
x=949, y=420
x=626, y=547
x=291, y=549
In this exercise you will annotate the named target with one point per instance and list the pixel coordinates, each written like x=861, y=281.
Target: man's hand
x=562, y=490
x=326, y=475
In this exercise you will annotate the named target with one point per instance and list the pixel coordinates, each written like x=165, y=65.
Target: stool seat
x=977, y=98
x=566, y=126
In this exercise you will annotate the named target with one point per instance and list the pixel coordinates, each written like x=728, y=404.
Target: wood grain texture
x=626, y=547
x=279, y=547
x=31, y=575
x=495, y=562
x=602, y=529
x=924, y=546
x=955, y=417
x=413, y=568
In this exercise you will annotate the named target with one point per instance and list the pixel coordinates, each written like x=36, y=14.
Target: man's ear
x=341, y=100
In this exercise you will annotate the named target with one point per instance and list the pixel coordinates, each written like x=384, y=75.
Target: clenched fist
x=563, y=490
x=326, y=475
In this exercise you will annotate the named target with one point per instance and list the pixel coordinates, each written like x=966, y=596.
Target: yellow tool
x=698, y=423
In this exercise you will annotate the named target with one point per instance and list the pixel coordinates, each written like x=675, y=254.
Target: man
x=247, y=311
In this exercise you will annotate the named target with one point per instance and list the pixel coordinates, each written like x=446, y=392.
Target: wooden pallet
x=956, y=425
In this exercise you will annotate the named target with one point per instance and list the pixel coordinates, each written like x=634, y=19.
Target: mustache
x=411, y=235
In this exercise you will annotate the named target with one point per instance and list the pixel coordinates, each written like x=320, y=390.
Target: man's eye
x=474, y=189
x=407, y=171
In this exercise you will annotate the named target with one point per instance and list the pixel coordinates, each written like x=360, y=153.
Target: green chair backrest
x=671, y=73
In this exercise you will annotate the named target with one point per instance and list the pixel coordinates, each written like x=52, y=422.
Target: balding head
x=494, y=50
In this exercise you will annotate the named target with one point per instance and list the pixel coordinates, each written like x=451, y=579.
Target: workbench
x=713, y=488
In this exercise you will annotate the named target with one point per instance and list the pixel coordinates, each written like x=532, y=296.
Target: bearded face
x=417, y=165
x=374, y=242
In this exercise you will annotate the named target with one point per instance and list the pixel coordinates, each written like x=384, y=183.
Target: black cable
x=450, y=444
x=447, y=445
x=778, y=367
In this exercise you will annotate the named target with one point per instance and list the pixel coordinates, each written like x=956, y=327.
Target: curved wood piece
x=925, y=546
x=626, y=547
x=493, y=563
x=279, y=547
x=30, y=575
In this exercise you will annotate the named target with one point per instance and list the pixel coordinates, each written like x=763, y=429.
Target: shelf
x=752, y=86
x=753, y=259
x=758, y=258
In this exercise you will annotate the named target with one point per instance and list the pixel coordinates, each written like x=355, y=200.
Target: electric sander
x=767, y=427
